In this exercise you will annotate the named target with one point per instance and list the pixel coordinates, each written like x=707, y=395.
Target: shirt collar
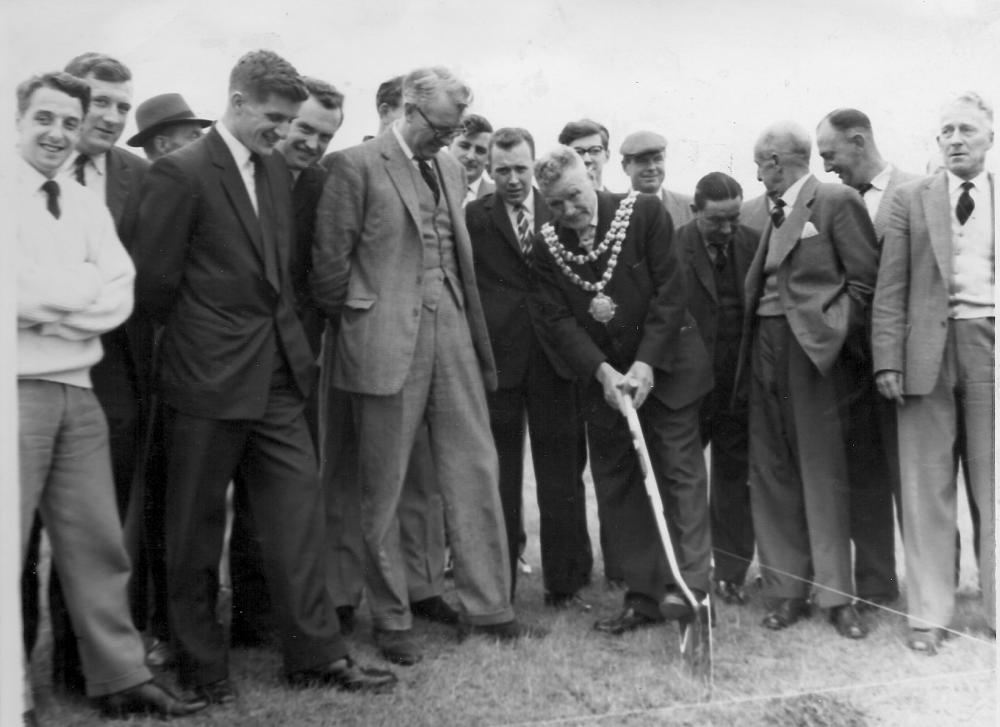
x=881, y=180
x=236, y=147
x=399, y=137
x=792, y=193
x=528, y=204
x=29, y=177
x=981, y=182
x=99, y=162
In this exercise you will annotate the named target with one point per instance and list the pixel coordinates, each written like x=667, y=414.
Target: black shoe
x=434, y=609
x=566, y=601
x=345, y=614
x=848, y=622
x=628, y=620
x=398, y=646
x=220, y=692
x=731, y=593
x=149, y=698
x=506, y=631
x=344, y=674
x=788, y=611
x=925, y=641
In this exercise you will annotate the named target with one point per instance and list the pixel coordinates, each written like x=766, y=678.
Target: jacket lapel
x=119, y=183
x=236, y=190
x=784, y=238
x=937, y=210
x=401, y=173
x=700, y=262
x=502, y=222
x=881, y=220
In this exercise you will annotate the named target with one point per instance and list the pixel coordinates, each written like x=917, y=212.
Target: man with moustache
x=590, y=140
x=166, y=123
x=394, y=262
x=644, y=154
x=471, y=148
x=933, y=344
x=535, y=387
x=74, y=284
x=807, y=296
x=716, y=250
x=611, y=296
x=215, y=235
x=846, y=144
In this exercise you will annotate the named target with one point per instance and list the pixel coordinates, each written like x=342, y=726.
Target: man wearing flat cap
x=166, y=123
x=643, y=156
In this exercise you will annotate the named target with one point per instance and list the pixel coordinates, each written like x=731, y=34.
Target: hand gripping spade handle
x=696, y=631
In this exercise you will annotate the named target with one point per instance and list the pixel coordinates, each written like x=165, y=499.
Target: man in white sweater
x=74, y=283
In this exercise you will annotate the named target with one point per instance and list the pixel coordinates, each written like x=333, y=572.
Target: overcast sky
x=708, y=74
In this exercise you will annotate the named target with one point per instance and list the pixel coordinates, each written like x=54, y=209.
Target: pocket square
x=809, y=231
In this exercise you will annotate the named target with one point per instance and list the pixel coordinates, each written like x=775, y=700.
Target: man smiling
x=471, y=148
x=644, y=155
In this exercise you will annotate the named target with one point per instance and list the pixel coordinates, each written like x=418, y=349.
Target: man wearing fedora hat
x=643, y=156
x=166, y=123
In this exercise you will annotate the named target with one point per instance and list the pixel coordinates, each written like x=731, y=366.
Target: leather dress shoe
x=786, y=613
x=925, y=641
x=345, y=614
x=220, y=692
x=149, y=698
x=566, y=601
x=506, y=631
x=731, y=593
x=398, y=646
x=434, y=609
x=847, y=621
x=628, y=620
x=344, y=674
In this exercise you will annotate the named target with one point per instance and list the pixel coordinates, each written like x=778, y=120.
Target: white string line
x=735, y=701
x=962, y=634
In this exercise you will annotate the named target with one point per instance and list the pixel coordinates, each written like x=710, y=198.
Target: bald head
x=782, y=156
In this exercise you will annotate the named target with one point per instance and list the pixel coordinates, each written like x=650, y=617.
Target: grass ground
x=806, y=676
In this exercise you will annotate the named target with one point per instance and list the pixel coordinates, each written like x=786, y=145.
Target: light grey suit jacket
x=881, y=221
x=910, y=311
x=678, y=207
x=368, y=263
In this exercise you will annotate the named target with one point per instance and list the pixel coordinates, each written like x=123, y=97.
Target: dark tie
x=79, y=165
x=778, y=212
x=965, y=203
x=523, y=230
x=428, y=174
x=265, y=215
x=52, y=190
x=719, y=251
x=863, y=188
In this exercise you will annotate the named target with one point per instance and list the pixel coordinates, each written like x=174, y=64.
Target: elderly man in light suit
x=393, y=259
x=933, y=344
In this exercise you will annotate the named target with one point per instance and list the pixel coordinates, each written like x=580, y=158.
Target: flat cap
x=642, y=142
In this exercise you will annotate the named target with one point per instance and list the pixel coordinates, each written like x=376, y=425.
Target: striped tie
x=523, y=230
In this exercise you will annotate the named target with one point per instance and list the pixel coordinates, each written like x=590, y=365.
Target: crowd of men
x=358, y=345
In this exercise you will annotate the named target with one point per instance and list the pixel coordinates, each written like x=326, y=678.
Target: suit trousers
x=674, y=445
x=548, y=404
x=66, y=475
x=956, y=419
x=799, y=491
x=444, y=388
x=276, y=460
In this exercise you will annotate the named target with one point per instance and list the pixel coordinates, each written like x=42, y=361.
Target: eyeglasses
x=592, y=150
x=441, y=133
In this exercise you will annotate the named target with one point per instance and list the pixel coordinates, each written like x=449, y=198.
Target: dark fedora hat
x=159, y=111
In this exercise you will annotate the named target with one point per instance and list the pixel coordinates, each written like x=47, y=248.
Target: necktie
x=79, y=165
x=778, y=213
x=523, y=230
x=265, y=215
x=719, y=249
x=965, y=203
x=862, y=188
x=428, y=174
x=52, y=190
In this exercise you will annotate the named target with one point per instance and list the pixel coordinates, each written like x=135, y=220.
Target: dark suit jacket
x=201, y=273
x=826, y=279
x=306, y=192
x=505, y=284
x=368, y=262
x=651, y=323
x=702, y=301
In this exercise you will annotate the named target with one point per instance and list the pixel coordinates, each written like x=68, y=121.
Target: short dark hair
x=475, y=124
x=390, y=93
x=716, y=187
x=584, y=127
x=100, y=66
x=509, y=137
x=327, y=94
x=57, y=80
x=843, y=120
x=261, y=73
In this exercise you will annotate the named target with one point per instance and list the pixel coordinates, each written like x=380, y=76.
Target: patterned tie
x=719, y=249
x=778, y=213
x=965, y=203
x=523, y=230
x=863, y=188
x=428, y=174
x=52, y=190
x=79, y=168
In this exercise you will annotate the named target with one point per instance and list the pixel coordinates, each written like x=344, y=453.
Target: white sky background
x=708, y=74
